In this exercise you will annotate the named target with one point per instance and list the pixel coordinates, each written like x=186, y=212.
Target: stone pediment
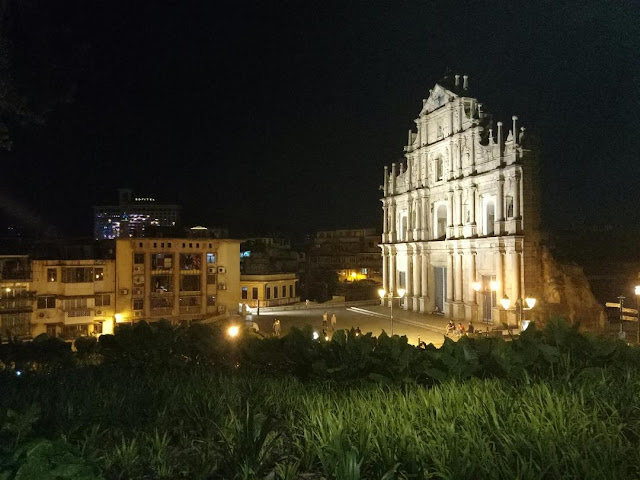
x=439, y=96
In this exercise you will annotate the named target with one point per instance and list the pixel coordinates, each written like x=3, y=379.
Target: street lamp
x=519, y=309
x=637, y=290
x=383, y=294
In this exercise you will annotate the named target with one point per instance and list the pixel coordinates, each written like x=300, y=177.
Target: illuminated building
x=269, y=290
x=176, y=278
x=74, y=297
x=16, y=296
x=352, y=253
x=461, y=220
x=133, y=217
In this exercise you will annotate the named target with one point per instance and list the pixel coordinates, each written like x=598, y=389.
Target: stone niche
x=567, y=294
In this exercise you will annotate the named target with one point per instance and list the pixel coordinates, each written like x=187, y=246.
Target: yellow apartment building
x=73, y=297
x=176, y=278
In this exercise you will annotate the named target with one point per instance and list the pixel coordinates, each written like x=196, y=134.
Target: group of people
x=459, y=330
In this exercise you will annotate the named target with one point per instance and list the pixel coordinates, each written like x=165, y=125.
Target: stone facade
x=461, y=213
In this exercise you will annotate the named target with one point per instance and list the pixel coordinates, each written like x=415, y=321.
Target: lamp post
x=519, y=309
x=637, y=290
x=383, y=294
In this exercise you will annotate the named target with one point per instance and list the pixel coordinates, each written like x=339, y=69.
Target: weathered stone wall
x=567, y=293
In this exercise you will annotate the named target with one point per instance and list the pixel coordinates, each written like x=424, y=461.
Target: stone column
x=472, y=203
x=458, y=278
x=473, y=277
x=392, y=222
x=500, y=200
x=449, y=277
x=450, y=209
x=473, y=149
x=425, y=281
x=393, y=179
x=385, y=271
x=385, y=185
x=408, y=276
x=515, y=276
x=460, y=212
x=499, y=276
x=385, y=221
x=516, y=196
x=424, y=234
x=416, y=279
x=392, y=272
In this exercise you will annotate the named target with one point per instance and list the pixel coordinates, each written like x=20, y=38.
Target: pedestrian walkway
x=433, y=323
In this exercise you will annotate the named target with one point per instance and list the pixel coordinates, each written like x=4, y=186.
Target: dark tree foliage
x=40, y=62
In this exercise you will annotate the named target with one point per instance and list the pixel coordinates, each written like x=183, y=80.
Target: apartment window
x=197, y=245
x=140, y=244
x=268, y=293
x=209, y=245
x=245, y=293
x=138, y=258
x=98, y=274
x=103, y=300
x=275, y=292
x=211, y=258
x=211, y=279
x=52, y=275
x=48, y=301
x=161, y=261
x=284, y=291
x=189, y=283
x=138, y=304
x=254, y=293
x=211, y=301
x=169, y=244
x=190, y=261
x=71, y=303
x=162, y=283
x=155, y=244
x=184, y=245
x=77, y=275
x=191, y=301
x=191, y=245
x=97, y=328
x=291, y=295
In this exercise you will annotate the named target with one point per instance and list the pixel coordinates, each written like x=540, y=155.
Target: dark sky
x=270, y=116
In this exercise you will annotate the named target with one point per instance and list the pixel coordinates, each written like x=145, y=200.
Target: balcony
x=78, y=315
x=16, y=304
x=162, y=312
x=191, y=310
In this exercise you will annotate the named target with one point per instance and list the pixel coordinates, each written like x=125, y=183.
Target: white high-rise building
x=461, y=215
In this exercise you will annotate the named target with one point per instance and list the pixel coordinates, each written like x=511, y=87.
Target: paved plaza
x=370, y=318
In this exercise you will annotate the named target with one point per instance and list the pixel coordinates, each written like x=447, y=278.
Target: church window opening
x=439, y=169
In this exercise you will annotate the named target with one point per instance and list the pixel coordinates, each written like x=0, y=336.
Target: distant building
x=269, y=255
x=353, y=253
x=74, y=297
x=72, y=290
x=269, y=290
x=207, y=232
x=16, y=296
x=134, y=217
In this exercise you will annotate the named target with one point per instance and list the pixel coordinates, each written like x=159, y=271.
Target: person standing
x=334, y=320
x=324, y=320
x=277, y=328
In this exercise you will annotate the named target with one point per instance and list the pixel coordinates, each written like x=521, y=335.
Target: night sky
x=279, y=116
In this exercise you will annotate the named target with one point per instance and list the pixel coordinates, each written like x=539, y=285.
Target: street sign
x=612, y=305
x=624, y=310
x=629, y=318
x=632, y=311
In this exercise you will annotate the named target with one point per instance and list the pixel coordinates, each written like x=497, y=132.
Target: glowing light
x=315, y=335
x=505, y=303
x=382, y=292
x=531, y=302
x=493, y=285
x=18, y=373
x=638, y=290
x=233, y=331
x=401, y=292
x=7, y=289
x=119, y=317
x=525, y=324
x=476, y=286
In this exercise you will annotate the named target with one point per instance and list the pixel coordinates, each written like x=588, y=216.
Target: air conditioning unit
x=222, y=286
x=138, y=291
x=98, y=312
x=138, y=269
x=124, y=291
x=222, y=270
x=41, y=315
x=137, y=314
x=212, y=270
